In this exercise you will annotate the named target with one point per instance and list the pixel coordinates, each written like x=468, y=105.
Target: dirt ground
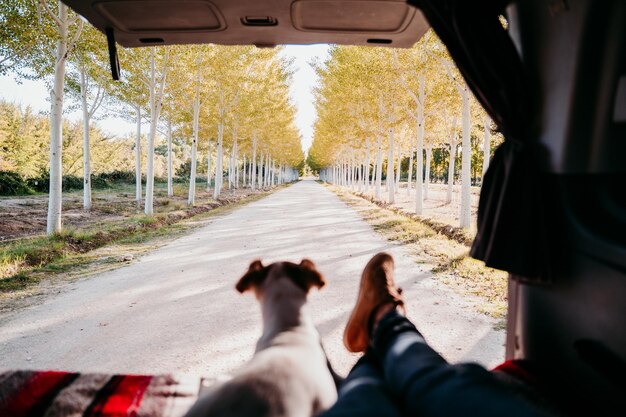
x=25, y=216
x=435, y=206
x=175, y=309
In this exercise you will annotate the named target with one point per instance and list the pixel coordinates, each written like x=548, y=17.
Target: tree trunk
x=261, y=172
x=56, y=128
x=230, y=169
x=429, y=154
x=419, y=154
x=243, y=170
x=451, y=163
x=465, y=217
x=367, y=165
x=170, y=185
x=208, y=167
x=191, y=200
x=390, y=159
x=253, y=164
x=138, y=191
x=236, y=165
x=410, y=173
x=486, y=144
x=219, y=163
x=155, y=112
x=399, y=167
x=379, y=168
x=86, y=147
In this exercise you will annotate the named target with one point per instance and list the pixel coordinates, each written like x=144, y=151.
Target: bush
x=117, y=176
x=40, y=183
x=98, y=182
x=72, y=182
x=12, y=183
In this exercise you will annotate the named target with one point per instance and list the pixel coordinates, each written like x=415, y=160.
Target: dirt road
x=176, y=310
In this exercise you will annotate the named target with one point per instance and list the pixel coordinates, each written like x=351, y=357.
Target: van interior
x=552, y=75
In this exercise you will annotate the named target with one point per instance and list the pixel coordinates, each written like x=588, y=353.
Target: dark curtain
x=512, y=232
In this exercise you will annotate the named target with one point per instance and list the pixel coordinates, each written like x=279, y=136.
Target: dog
x=289, y=374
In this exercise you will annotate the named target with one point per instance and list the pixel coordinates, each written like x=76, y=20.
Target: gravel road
x=176, y=309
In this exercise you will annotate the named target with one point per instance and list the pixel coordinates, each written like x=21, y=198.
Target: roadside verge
x=444, y=247
x=27, y=263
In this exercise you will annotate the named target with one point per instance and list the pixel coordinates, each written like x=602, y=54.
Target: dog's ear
x=311, y=275
x=254, y=276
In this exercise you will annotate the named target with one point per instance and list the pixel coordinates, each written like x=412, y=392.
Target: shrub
x=98, y=182
x=72, y=182
x=12, y=183
x=40, y=183
x=117, y=176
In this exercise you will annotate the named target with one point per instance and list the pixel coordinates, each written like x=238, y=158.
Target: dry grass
x=446, y=249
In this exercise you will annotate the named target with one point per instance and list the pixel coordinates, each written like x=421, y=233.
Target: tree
x=88, y=85
x=147, y=68
x=486, y=144
x=64, y=22
x=26, y=38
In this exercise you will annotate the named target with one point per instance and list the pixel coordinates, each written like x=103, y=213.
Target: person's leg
x=363, y=393
x=424, y=384
x=421, y=382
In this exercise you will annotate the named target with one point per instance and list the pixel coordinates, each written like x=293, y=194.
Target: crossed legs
x=400, y=374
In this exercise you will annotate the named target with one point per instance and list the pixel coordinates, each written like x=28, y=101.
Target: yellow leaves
x=242, y=87
x=365, y=91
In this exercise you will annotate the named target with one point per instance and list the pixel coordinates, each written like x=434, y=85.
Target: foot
x=377, y=296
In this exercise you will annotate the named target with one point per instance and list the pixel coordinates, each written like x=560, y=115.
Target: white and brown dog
x=289, y=373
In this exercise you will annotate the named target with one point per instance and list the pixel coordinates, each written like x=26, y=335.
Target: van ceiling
x=256, y=22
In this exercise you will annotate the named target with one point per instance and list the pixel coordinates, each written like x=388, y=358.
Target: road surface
x=175, y=310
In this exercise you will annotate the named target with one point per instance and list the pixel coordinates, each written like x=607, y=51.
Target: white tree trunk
x=390, y=159
x=236, y=165
x=399, y=167
x=56, y=127
x=253, y=164
x=230, y=170
x=465, y=217
x=243, y=170
x=250, y=176
x=191, y=199
x=451, y=163
x=409, y=179
x=170, y=183
x=138, y=190
x=208, y=167
x=429, y=154
x=419, y=169
x=86, y=147
x=419, y=154
x=367, y=165
x=261, y=184
x=379, y=168
x=155, y=111
x=219, y=162
x=486, y=144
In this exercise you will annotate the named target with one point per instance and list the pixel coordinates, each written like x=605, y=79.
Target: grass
x=443, y=246
x=26, y=262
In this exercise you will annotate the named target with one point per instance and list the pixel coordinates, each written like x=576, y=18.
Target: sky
x=36, y=95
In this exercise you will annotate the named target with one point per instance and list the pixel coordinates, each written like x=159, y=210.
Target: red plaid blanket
x=65, y=394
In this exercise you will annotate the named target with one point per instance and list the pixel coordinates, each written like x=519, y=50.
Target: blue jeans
x=400, y=375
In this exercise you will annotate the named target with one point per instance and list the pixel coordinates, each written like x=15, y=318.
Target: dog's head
x=304, y=275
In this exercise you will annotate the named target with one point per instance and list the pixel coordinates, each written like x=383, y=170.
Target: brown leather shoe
x=377, y=289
